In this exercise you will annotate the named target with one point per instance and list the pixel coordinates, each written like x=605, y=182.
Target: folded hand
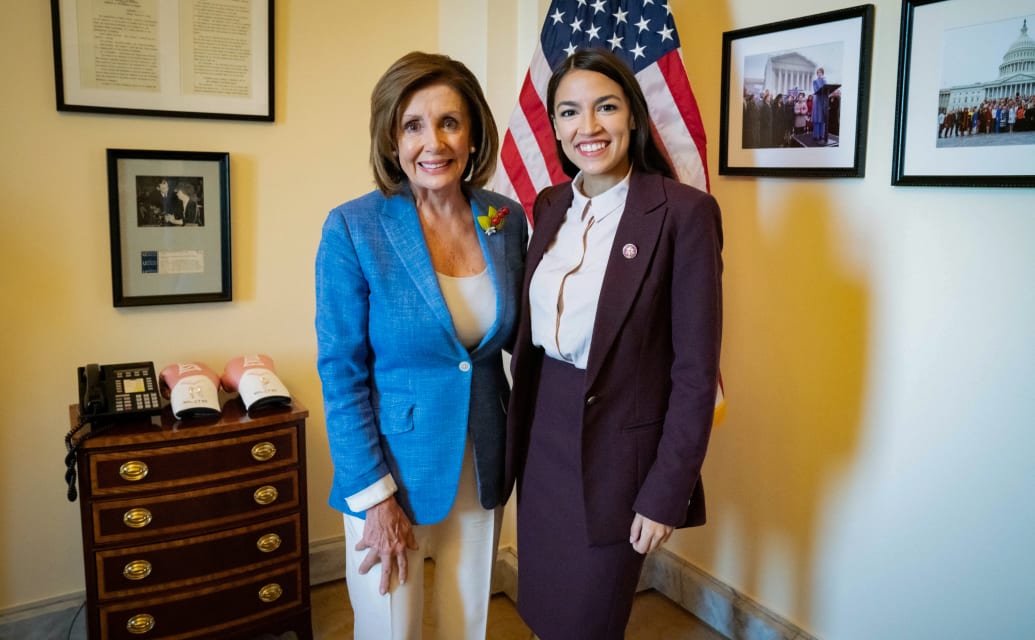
x=388, y=534
x=647, y=535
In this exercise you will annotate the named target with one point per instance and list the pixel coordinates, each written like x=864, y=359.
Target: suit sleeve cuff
x=375, y=493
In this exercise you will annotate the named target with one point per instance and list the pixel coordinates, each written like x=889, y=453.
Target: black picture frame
x=169, y=221
x=948, y=53
x=788, y=54
x=167, y=59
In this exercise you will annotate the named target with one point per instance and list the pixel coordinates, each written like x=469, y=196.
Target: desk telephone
x=108, y=393
x=118, y=390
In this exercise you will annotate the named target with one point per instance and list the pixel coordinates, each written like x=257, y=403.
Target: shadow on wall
x=795, y=355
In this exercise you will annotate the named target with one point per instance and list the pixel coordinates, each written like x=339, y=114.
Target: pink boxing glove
x=253, y=378
x=192, y=389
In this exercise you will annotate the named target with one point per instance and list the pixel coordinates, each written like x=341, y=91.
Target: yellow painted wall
x=872, y=478
x=56, y=280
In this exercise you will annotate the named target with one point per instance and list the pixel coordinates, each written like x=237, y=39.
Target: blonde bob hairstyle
x=410, y=73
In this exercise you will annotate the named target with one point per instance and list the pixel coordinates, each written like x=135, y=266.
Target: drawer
x=135, y=571
x=143, y=519
x=212, y=612
x=194, y=463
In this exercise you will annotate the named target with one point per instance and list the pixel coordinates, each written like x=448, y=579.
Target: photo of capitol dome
x=1016, y=77
x=988, y=84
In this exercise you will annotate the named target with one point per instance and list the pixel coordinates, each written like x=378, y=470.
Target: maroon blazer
x=653, y=361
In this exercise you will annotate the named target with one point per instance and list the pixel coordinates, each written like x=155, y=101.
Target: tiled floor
x=654, y=617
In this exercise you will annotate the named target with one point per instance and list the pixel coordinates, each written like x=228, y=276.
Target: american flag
x=643, y=33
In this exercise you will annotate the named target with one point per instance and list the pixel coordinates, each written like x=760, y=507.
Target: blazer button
x=590, y=401
x=465, y=366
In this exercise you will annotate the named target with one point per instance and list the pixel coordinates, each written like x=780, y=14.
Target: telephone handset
x=108, y=393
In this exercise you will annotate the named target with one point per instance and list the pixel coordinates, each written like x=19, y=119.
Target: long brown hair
x=644, y=153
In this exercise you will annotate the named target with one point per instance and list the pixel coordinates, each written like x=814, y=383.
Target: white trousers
x=463, y=547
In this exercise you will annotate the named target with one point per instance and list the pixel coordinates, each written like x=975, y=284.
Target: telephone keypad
x=135, y=390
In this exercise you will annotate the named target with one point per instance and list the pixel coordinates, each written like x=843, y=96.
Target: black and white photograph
x=794, y=97
x=971, y=85
x=169, y=221
x=177, y=201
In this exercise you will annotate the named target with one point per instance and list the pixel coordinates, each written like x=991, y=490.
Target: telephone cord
x=72, y=446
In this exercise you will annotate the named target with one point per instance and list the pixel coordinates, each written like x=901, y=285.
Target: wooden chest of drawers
x=197, y=529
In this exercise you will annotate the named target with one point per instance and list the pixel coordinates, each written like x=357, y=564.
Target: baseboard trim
x=46, y=619
x=718, y=605
x=715, y=603
x=721, y=607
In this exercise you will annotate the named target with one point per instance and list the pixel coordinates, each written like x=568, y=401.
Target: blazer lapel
x=554, y=205
x=640, y=227
x=403, y=229
x=495, y=249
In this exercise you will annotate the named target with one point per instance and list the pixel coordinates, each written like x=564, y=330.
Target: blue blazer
x=401, y=393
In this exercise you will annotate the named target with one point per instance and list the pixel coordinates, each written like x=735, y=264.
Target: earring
x=473, y=149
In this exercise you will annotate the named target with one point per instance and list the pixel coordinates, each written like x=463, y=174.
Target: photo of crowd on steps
x=987, y=94
x=792, y=99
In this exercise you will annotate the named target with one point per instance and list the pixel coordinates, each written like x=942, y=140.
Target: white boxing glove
x=253, y=377
x=192, y=389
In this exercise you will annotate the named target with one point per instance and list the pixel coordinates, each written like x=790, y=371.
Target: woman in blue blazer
x=616, y=359
x=416, y=294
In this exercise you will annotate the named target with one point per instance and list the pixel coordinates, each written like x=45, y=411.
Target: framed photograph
x=170, y=226
x=197, y=59
x=965, y=112
x=795, y=96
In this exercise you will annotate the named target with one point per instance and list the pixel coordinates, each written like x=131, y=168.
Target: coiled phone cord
x=72, y=446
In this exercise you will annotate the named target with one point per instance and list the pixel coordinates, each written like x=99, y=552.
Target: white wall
x=872, y=478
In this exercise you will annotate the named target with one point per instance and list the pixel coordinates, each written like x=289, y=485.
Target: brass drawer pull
x=264, y=451
x=133, y=471
x=270, y=592
x=266, y=494
x=137, y=518
x=268, y=543
x=137, y=570
x=140, y=623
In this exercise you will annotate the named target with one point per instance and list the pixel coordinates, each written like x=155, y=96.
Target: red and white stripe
x=528, y=154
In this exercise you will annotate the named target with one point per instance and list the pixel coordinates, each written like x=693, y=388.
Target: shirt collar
x=604, y=204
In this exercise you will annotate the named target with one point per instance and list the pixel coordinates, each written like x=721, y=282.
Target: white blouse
x=472, y=303
x=565, y=287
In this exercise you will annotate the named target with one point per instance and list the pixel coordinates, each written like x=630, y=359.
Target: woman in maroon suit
x=616, y=362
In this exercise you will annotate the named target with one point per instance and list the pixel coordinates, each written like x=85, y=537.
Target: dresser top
x=164, y=427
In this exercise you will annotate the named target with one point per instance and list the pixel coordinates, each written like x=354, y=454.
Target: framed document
x=965, y=109
x=795, y=96
x=169, y=216
x=182, y=58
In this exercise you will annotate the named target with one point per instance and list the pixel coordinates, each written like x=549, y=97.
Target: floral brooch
x=493, y=222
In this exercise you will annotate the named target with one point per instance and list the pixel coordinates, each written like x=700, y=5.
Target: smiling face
x=593, y=122
x=434, y=139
